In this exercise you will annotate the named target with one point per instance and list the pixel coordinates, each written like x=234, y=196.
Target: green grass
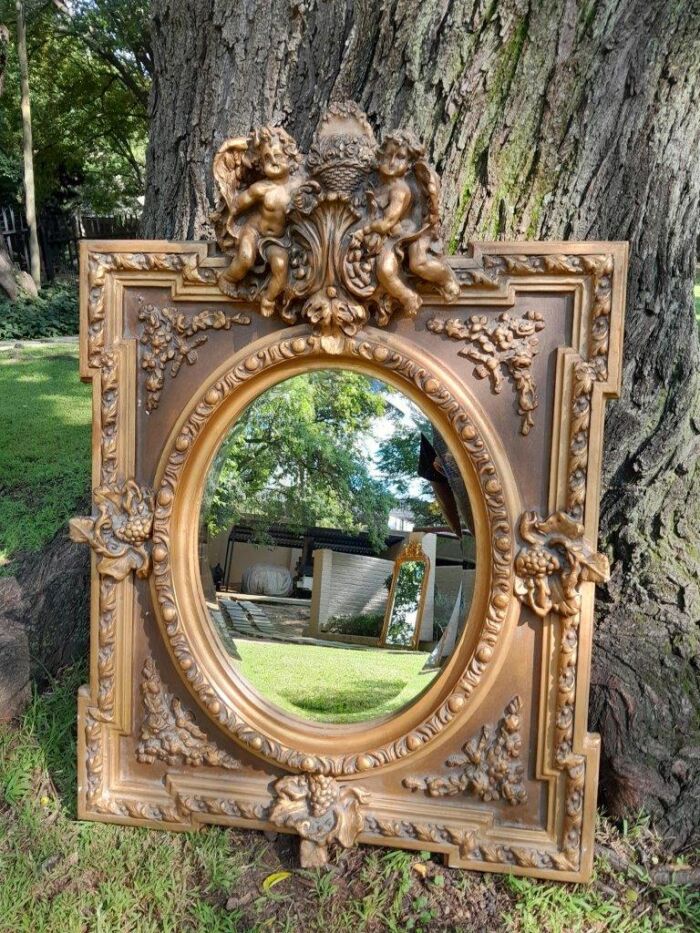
x=61, y=876
x=45, y=415
x=696, y=292
x=333, y=684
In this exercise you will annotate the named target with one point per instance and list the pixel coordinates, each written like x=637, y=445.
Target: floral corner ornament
x=553, y=563
x=169, y=732
x=321, y=810
x=489, y=764
x=171, y=338
x=509, y=344
x=120, y=532
x=352, y=224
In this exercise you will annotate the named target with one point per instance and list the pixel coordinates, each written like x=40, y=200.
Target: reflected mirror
x=406, y=602
x=336, y=550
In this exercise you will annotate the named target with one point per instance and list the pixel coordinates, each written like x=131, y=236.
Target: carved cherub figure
x=250, y=222
x=396, y=229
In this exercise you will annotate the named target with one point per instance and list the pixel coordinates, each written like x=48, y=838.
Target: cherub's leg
x=244, y=257
x=391, y=281
x=279, y=263
x=431, y=268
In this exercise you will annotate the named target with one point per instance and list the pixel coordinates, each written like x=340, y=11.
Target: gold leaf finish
x=340, y=230
x=171, y=338
x=321, y=810
x=169, y=732
x=489, y=765
x=509, y=343
x=121, y=530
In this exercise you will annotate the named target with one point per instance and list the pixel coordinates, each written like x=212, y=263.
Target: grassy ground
x=45, y=451
x=333, y=684
x=60, y=876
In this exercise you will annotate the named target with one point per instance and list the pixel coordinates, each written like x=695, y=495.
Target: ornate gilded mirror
x=345, y=514
x=405, y=606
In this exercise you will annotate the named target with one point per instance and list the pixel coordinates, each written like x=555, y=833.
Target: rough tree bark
x=547, y=119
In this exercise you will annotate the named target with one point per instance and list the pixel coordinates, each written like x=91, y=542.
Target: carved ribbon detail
x=121, y=530
x=510, y=344
x=490, y=766
x=321, y=810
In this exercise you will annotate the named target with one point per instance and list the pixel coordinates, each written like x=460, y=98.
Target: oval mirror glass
x=336, y=552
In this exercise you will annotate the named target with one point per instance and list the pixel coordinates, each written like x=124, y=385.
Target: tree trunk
x=554, y=120
x=27, y=146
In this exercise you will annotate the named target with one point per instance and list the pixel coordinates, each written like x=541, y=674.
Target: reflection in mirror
x=336, y=547
x=406, y=601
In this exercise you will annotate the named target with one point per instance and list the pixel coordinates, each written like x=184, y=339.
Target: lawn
x=45, y=416
x=333, y=684
x=61, y=876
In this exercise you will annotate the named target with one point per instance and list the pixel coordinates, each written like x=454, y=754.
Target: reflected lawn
x=333, y=684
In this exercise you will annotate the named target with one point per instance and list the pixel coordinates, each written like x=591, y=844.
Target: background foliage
x=89, y=74
x=300, y=455
x=53, y=313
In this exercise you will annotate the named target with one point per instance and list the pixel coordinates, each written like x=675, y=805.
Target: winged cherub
x=397, y=230
x=251, y=221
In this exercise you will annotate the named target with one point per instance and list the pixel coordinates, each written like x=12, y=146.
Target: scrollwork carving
x=509, y=344
x=169, y=732
x=119, y=533
x=321, y=810
x=322, y=237
x=172, y=337
x=489, y=764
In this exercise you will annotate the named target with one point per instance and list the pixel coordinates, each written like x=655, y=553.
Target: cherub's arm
x=399, y=203
x=247, y=198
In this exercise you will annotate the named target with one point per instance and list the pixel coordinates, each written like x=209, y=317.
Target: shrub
x=368, y=624
x=54, y=313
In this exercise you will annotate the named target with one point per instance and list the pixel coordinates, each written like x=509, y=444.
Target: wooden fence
x=59, y=235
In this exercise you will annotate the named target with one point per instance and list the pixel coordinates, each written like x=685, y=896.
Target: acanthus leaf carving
x=169, y=732
x=120, y=532
x=321, y=810
x=319, y=238
x=172, y=338
x=489, y=764
x=509, y=344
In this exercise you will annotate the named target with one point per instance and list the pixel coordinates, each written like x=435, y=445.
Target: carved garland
x=171, y=337
x=510, y=343
x=99, y=265
x=490, y=766
x=585, y=374
x=501, y=549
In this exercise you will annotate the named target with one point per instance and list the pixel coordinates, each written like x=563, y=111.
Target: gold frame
x=412, y=551
x=232, y=775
